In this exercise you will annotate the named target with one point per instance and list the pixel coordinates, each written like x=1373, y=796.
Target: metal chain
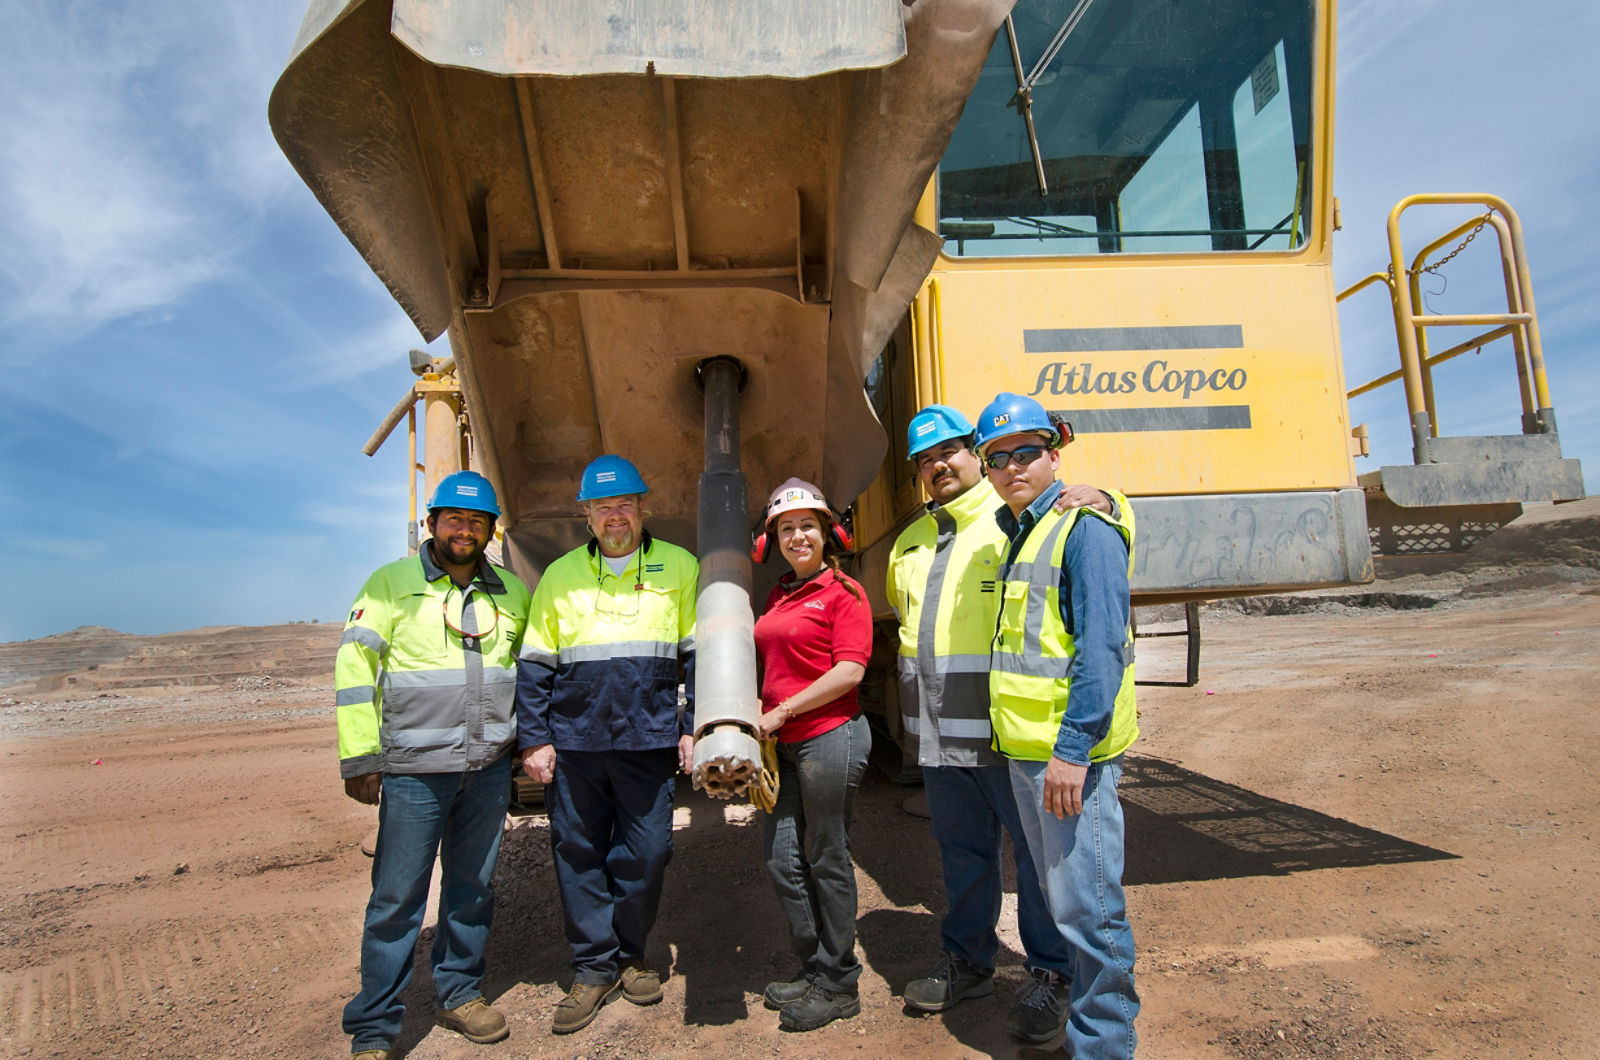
x=1442, y=262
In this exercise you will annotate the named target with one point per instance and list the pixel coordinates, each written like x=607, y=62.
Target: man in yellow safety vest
x=941, y=583
x=599, y=721
x=1061, y=701
x=424, y=682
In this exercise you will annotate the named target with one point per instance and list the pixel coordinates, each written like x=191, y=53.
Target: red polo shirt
x=802, y=632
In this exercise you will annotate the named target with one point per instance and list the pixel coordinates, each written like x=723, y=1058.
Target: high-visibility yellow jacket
x=941, y=583
x=426, y=670
x=599, y=665
x=1032, y=665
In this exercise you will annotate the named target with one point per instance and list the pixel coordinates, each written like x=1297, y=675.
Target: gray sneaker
x=1041, y=1009
x=951, y=980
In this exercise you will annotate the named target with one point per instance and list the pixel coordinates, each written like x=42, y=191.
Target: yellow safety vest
x=941, y=583
x=599, y=666
x=426, y=671
x=1031, y=663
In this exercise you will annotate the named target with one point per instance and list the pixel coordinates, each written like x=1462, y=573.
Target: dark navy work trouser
x=611, y=832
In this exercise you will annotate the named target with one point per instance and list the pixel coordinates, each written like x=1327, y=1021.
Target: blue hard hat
x=610, y=476
x=1014, y=414
x=466, y=490
x=935, y=424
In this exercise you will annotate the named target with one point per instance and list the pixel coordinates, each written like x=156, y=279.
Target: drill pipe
x=726, y=706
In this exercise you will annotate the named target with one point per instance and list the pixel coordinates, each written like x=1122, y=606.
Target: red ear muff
x=762, y=546
x=841, y=536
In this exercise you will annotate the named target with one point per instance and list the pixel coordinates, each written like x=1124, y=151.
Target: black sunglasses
x=1023, y=455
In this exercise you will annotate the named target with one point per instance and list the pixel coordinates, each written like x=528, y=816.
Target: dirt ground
x=1368, y=832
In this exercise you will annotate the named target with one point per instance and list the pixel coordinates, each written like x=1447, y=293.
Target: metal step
x=1493, y=448
x=1477, y=481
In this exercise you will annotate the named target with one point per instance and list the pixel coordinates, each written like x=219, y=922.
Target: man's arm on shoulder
x=1073, y=495
x=1096, y=610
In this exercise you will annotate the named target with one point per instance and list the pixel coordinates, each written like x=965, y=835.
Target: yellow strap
x=764, y=792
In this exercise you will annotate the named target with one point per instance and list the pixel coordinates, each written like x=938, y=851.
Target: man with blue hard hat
x=1061, y=701
x=941, y=582
x=424, y=683
x=612, y=623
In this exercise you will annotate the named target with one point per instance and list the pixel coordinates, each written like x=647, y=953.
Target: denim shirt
x=1094, y=606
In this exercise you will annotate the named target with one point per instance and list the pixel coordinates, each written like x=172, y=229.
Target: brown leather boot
x=582, y=1003
x=475, y=1021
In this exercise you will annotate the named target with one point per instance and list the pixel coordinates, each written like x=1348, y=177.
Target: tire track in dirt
x=91, y=840
x=94, y=990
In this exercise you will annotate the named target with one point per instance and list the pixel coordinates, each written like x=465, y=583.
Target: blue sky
x=192, y=354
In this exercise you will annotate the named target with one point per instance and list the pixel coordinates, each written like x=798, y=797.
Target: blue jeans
x=969, y=806
x=1079, y=860
x=611, y=833
x=807, y=839
x=456, y=817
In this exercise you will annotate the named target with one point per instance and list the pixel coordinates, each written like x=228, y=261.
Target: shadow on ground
x=721, y=931
x=1184, y=827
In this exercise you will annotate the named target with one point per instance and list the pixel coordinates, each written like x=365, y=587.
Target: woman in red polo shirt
x=813, y=639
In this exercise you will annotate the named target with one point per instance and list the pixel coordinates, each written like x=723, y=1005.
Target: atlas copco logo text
x=1157, y=377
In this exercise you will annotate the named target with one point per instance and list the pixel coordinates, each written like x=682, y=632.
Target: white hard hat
x=795, y=495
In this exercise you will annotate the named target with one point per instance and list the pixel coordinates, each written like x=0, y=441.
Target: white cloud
x=137, y=158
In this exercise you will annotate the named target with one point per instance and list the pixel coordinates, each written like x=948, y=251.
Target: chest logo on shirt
x=986, y=586
x=818, y=604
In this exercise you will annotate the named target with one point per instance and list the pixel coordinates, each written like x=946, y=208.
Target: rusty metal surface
x=587, y=240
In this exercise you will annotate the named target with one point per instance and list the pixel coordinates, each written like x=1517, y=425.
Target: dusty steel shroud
x=593, y=197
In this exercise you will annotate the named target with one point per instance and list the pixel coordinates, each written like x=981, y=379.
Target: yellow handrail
x=1520, y=321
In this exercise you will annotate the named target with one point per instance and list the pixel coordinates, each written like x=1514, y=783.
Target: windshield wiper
x=1026, y=82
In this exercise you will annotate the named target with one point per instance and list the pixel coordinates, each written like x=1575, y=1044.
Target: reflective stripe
x=349, y=697
x=499, y=733
x=945, y=664
x=365, y=637
x=536, y=655
x=622, y=649
x=686, y=645
x=1046, y=576
x=953, y=728
x=928, y=621
x=492, y=675
x=1051, y=669
x=965, y=728
x=414, y=737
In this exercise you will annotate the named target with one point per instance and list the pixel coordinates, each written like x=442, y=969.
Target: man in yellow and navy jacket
x=1061, y=700
x=425, y=679
x=599, y=721
x=941, y=581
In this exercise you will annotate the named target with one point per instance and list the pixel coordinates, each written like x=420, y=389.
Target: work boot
x=373, y=1054
x=641, y=985
x=818, y=1007
x=582, y=1003
x=779, y=994
x=475, y=1021
x=1041, y=1009
x=951, y=980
